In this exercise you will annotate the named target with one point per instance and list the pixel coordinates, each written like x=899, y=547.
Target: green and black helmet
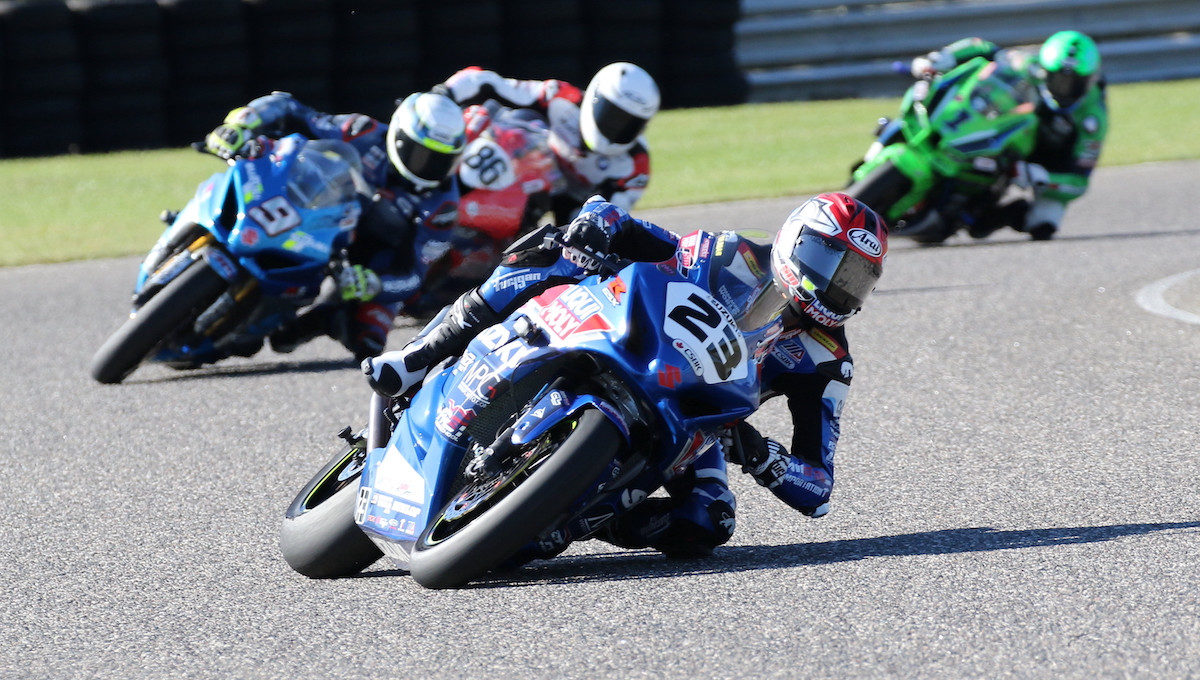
x=1071, y=63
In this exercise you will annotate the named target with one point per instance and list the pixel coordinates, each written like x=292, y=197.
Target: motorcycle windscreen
x=744, y=285
x=325, y=173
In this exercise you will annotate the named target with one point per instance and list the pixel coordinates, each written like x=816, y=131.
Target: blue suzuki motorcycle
x=250, y=249
x=586, y=400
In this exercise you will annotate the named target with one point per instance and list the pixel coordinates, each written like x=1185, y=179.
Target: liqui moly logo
x=573, y=310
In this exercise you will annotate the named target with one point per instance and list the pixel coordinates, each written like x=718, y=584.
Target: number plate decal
x=276, y=215
x=708, y=330
x=486, y=165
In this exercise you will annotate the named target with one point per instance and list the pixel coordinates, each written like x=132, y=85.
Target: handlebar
x=609, y=262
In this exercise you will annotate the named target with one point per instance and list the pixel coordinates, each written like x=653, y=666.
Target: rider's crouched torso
x=810, y=366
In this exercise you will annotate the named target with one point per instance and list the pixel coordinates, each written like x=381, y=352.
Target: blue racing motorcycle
x=249, y=250
x=586, y=400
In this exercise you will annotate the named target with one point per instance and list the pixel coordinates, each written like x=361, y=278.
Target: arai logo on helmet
x=866, y=242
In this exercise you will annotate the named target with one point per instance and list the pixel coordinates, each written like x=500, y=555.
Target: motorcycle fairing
x=248, y=210
x=612, y=320
x=979, y=110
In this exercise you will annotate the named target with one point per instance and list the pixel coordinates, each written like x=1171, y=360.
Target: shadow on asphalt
x=646, y=564
x=272, y=368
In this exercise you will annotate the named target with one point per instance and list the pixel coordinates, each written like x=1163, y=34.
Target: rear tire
x=178, y=303
x=537, y=503
x=319, y=538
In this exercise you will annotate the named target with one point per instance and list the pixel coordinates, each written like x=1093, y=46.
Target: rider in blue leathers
x=408, y=224
x=824, y=261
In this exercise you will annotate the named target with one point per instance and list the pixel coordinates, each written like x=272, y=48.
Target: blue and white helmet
x=618, y=103
x=425, y=138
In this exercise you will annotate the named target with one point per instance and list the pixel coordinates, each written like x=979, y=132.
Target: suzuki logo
x=669, y=376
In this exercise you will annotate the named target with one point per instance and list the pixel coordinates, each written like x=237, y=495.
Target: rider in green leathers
x=1073, y=120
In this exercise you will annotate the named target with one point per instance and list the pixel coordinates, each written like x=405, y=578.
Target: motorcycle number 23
x=275, y=215
x=705, y=333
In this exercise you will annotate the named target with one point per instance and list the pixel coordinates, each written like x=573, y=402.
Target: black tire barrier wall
x=102, y=75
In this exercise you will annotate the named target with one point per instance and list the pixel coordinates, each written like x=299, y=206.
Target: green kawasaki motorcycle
x=949, y=156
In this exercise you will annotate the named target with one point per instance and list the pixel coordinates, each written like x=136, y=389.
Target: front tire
x=881, y=189
x=178, y=303
x=319, y=538
x=535, y=504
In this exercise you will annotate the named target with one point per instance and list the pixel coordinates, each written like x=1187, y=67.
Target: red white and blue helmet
x=828, y=256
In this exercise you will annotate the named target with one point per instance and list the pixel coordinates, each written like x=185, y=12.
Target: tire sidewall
x=179, y=302
x=324, y=541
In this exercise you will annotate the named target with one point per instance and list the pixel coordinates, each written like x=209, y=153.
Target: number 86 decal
x=486, y=165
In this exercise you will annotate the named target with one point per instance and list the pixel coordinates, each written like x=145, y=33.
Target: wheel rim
x=475, y=497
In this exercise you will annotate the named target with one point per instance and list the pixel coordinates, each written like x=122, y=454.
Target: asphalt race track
x=1017, y=492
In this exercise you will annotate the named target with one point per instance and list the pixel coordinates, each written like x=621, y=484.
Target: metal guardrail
x=811, y=49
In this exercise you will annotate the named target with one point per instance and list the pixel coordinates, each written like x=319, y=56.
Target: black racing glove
x=589, y=235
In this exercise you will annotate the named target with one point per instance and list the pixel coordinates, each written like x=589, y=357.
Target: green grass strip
x=99, y=205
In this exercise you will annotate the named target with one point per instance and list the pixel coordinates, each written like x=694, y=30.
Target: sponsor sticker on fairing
x=614, y=289
x=688, y=246
x=692, y=448
x=249, y=236
x=451, y=420
x=252, y=184
x=221, y=264
x=398, y=479
x=693, y=361
x=572, y=309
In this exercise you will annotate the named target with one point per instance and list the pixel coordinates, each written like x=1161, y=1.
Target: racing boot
x=391, y=374
x=365, y=330
x=1043, y=218
x=1042, y=232
x=247, y=347
x=987, y=222
x=308, y=326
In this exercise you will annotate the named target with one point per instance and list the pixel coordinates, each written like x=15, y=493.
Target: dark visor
x=843, y=277
x=615, y=123
x=422, y=161
x=1066, y=86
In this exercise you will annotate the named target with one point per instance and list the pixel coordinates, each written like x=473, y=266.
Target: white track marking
x=1150, y=298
